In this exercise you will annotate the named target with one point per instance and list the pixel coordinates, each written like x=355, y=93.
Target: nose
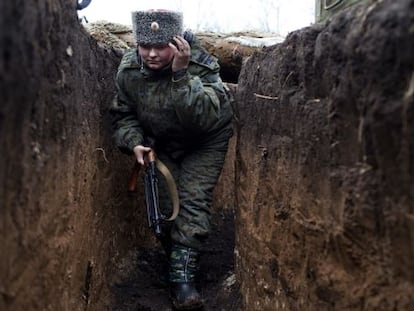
x=152, y=52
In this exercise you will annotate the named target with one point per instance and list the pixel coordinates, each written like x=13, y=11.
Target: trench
x=313, y=210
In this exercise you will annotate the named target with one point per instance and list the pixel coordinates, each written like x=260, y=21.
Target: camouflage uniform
x=190, y=121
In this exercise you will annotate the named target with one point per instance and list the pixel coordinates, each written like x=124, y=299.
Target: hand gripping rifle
x=154, y=215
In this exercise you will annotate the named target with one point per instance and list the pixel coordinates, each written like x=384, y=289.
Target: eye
x=160, y=46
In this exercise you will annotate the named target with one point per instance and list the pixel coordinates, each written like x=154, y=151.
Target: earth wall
x=67, y=224
x=325, y=165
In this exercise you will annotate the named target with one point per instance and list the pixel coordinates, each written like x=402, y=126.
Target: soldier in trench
x=169, y=93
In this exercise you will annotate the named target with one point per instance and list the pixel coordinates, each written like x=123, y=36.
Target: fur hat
x=156, y=26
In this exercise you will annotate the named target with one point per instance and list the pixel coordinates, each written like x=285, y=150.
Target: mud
x=142, y=289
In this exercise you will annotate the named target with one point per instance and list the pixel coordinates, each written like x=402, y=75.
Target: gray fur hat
x=156, y=27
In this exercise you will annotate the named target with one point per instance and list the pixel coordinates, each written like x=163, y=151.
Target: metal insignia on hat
x=155, y=26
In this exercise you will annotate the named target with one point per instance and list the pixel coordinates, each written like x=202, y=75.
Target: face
x=156, y=56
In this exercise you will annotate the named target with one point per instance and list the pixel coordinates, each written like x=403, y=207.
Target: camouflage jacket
x=178, y=115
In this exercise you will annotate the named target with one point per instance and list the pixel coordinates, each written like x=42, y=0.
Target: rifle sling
x=172, y=188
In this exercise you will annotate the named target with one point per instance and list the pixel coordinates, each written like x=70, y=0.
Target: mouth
x=153, y=62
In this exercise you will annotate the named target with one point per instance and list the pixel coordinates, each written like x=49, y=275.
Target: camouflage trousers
x=196, y=174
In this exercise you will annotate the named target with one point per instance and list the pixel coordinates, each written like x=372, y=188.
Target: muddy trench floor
x=143, y=290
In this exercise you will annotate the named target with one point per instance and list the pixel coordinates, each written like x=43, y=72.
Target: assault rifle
x=154, y=215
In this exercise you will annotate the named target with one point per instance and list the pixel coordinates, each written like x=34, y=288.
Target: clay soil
x=325, y=200
x=75, y=239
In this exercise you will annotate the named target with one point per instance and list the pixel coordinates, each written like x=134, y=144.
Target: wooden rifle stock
x=132, y=181
x=133, y=178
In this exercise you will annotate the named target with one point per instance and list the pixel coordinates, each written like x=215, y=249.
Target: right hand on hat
x=182, y=53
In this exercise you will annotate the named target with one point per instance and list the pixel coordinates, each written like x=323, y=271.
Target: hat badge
x=155, y=26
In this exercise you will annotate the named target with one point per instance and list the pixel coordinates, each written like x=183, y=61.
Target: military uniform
x=190, y=122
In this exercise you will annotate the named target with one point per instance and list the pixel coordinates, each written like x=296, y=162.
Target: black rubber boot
x=184, y=263
x=166, y=244
x=165, y=266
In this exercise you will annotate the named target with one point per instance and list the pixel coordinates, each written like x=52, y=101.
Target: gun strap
x=172, y=188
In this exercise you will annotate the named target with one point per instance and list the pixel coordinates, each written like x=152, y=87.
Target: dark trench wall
x=65, y=221
x=325, y=166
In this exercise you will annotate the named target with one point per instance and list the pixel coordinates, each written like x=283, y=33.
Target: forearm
x=127, y=132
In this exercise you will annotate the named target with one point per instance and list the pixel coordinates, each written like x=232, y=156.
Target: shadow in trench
x=143, y=291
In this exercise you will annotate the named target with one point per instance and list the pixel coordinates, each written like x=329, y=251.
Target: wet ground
x=143, y=290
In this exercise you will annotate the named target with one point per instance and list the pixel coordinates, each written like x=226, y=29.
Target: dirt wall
x=325, y=169
x=71, y=236
x=66, y=224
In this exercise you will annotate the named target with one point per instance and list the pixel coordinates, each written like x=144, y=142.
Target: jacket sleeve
x=127, y=132
x=200, y=100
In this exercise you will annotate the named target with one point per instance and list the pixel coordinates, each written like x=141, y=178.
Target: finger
x=177, y=39
x=180, y=38
x=177, y=42
x=174, y=48
x=181, y=42
x=139, y=153
x=140, y=160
